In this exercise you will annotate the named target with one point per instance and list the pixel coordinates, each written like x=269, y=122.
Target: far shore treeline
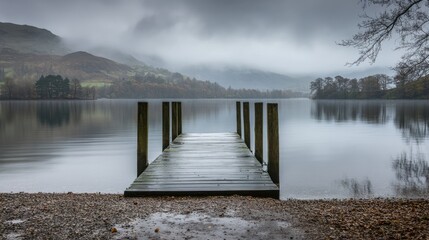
x=49, y=87
x=377, y=86
x=139, y=86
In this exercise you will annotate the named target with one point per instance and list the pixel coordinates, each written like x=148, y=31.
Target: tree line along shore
x=139, y=86
x=379, y=86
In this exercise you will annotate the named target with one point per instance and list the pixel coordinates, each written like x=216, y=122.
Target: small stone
x=157, y=230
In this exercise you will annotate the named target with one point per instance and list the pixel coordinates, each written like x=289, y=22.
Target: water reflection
x=54, y=115
x=412, y=175
x=411, y=117
x=357, y=189
x=343, y=111
x=27, y=127
x=412, y=120
x=33, y=134
x=97, y=140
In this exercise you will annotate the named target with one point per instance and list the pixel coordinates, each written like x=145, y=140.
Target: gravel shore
x=109, y=216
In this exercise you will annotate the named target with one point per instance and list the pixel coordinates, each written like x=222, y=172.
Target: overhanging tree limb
x=408, y=19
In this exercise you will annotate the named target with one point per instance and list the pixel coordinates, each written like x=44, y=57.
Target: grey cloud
x=277, y=35
x=154, y=24
x=304, y=19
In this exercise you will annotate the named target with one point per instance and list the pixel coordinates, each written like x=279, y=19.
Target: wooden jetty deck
x=203, y=164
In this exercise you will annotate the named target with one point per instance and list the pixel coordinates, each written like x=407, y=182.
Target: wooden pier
x=205, y=163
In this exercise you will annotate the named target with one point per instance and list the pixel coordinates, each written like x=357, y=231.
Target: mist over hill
x=236, y=77
x=116, y=55
x=80, y=65
x=27, y=53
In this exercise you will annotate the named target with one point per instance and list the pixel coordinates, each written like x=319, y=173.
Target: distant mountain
x=88, y=63
x=29, y=39
x=116, y=56
x=81, y=65
x=28, y=52
x=248, y=78
x=88, y=67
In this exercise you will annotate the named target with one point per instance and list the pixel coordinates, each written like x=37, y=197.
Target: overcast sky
x=290, y=37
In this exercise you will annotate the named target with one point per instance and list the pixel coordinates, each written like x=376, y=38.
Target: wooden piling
x=273, y=141
x=165, y=125
x=238, y=113
x=142, y=137
x=174, y=120
x=259, y=132
x=246, y=121
x=179, y=118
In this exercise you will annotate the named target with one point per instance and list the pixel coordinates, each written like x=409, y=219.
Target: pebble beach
x=111, y=216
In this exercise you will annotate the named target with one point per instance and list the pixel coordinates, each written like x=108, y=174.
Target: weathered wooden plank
x=206, y=187
x=189, y=181
x=202, y=178
x=199, y=165
x=204, y=164
x=263, y=192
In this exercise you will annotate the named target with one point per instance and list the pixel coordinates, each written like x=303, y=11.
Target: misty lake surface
x=328, y=149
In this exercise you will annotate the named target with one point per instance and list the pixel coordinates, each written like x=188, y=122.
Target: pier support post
x=246, y=122
x=273, y=141
x=142, y=137
x=259, y=132
x=165, y=125
x=238, y=113
x=179, y=118
x=174, y=120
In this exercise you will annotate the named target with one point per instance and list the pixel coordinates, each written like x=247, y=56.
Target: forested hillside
x=25, y=58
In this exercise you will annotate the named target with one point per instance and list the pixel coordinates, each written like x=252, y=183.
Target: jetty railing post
x=142, y=137
x=259, y=132
x=238, y=113
x=179, y=118
x=273, y=141
x=174, y=120
x=246, y=121
x=165, y=125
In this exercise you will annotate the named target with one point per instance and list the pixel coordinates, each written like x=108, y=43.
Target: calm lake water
x=328, y=149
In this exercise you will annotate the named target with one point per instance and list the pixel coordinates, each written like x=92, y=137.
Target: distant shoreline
x=65, y=99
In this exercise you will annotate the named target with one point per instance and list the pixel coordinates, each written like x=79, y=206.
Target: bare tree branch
x=409, y=20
